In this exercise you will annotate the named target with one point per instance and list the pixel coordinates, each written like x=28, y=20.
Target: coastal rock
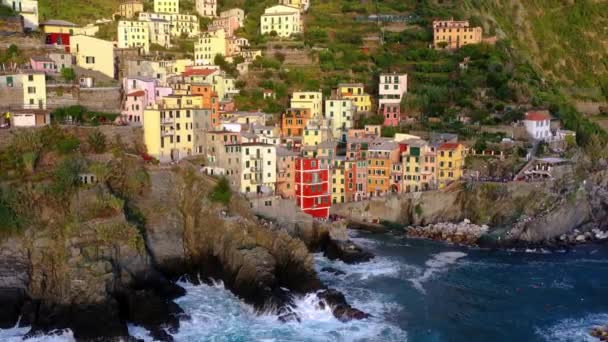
x=346, y=251
x=464, y=233
x=600, y=333
x=340, y=308
x=332, y=270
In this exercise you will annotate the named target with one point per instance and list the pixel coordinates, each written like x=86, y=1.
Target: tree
x=68, y=74
x=97, y=141
x=221, y=192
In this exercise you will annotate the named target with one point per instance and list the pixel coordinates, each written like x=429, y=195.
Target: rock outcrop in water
x=463, y=233
x=90, y=268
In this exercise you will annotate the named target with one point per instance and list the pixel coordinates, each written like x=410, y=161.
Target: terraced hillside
x=566, y=39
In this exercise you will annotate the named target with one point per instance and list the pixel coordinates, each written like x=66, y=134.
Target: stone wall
x=101, y=99
x=61, y=96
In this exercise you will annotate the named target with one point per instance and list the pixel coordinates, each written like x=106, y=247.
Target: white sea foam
x=573, y=329
x=16, y=334
x=437, y=264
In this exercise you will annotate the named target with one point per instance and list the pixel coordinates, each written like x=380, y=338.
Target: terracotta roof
x=137, y=93
x=199, y=72
x=538, y=116
x=449, y=146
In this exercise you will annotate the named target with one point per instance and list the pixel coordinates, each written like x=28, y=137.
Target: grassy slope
x=567, y=40
x=77, y=11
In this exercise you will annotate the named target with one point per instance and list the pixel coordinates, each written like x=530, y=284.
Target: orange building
x=293, y=122
x=210, y=100
x=380, y=160
x=451, y=34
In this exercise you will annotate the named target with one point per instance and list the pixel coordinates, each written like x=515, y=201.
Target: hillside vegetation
x=77, y=11
x=566, y=39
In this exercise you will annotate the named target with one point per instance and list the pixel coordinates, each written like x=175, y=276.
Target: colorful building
x=312, y=100
x=451, y=34
x=166, y=6
x=211, y=43
x=312, y=187
x=134, y=106
x=94, y=54
x=450, y=163
x=25, y=90
x=206, y=8
x=210, y=101
x=293, y=122
x=43, y=63
x=356, y=93
x=418, y=166
x=286, y=169
x=338, y=181
x=184, y=24
x=258, y=168
x=129, y=9
x=160, y=32
x=302, y=5
x=229, y=24
x=134, y=34
x=390, y=93
x=380, y=159
x=174, y=128
x=234, y=12
x=341, y=115
x=281, y=20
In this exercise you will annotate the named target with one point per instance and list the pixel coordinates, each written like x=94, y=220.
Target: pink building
x=44, y=64
x=229, y=24
x=134, y=106
x=391, y=89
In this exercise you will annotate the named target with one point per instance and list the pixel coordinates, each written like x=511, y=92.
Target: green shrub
x=68, y=145
x=97, y=141
x=68, y=74
x=221, y=192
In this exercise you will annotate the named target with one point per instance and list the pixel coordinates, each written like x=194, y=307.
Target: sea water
x=419, y=290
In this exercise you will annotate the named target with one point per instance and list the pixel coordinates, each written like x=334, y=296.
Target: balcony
x=167, y=121
x=167, y=133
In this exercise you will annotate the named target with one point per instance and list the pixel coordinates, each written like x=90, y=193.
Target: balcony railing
x=167, y=133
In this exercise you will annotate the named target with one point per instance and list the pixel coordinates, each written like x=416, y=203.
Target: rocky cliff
x=100, y=260
x=517, y=212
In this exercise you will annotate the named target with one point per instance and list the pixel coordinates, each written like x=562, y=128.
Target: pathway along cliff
x=109, y=254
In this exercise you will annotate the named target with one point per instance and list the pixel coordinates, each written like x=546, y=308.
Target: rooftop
x=541, y=115
x=449, y=146
x=56, y=22
x=42, y=59
x=137, y=93
x=199, y=72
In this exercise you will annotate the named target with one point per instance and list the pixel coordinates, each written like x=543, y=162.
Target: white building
x=391, y=88
x=340, y=114
x=258, y=165
x=28, y=10
x=282, y=20
x=206, y=8
x=160, y=32
x=538, y=125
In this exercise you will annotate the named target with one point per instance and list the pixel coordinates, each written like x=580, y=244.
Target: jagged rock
x=346, y=251
x=340, y=308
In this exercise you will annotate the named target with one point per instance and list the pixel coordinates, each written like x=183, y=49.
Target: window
x=90, y=60
x=30, y=77
x=31, y=90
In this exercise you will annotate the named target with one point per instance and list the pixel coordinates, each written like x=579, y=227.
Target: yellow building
x=316, y=132
x=450, y=163
x=312, y=100
x=130, y=8
x=418, y=166
x=209, y=45
x=25, y=90
x=166, y=6
x=93, y=54
x=338, y=187
x=340, y=114
x=302, y=5
x=174, y=129
x=281, y=20
x=450, y=34
x=62, y=26
x=356, y=93
x=134, y=34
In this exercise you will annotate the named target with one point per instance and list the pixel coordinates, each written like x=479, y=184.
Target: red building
x=312, y=187
x=62, y=39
